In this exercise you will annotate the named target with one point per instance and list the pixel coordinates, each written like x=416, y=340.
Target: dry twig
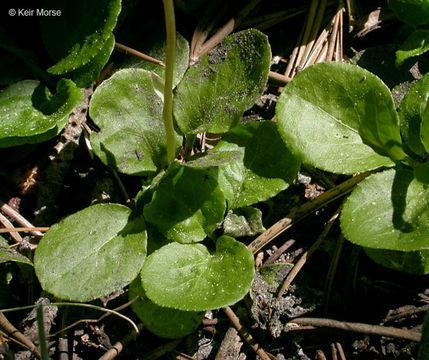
x=300, y=212
x=245, y=334
x=357, y=327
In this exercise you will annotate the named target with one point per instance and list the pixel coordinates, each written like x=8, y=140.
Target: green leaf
x=411, y=112
x=265, y=168
x=91, y=253
x=213, y=158
x=424, y=126
x=161, y=321
x=411, y=12
x=158, y=50
x=195, y=280
x=132, y=136
x=215, y=92
x=85, y=75
x=187, y=204
x=416, y=44
x=424, y=342
x=79, y=34
x=8, y=254
x=413, y=262
x=245, y=221
x=388, y=210
x=31, y=114
x=339, y=118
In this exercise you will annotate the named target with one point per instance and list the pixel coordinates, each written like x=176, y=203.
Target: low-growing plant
x=175, y=247
x=341, y=118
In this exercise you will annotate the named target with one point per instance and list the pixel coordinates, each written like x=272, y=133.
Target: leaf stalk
x=167, y=114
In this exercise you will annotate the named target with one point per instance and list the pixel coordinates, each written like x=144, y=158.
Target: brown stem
x=245, y=334
x=23, y=229
x=13, y=331
x=359, y=328
x=128, y=50
x=303, y=259
x=7, y=210
x=300, y=212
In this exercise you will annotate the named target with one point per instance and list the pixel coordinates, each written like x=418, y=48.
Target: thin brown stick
x=341, y=351
x=13, y=214
x=412, y=311
x=200, y=48
x=333, y=352
x=221, y=34
x=317, y=49
x=300, y=212
x=4, y=336
x=360, y=328
x=303, y=259
x=245, y=334
x=322, y=55
x=8, y=225
x=23, y=229
x=113, y=352
x=307, y=32
x=276, y=254
x=128, y=50
x=13, y=331
x=278, y=79
x=333, y=38
x=339, y=52
x=116, y=349
x=314, y=31
x=292, y=59
x=198, y=38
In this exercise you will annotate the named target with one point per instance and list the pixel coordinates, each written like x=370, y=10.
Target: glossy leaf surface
x=91, y=253
x=194, y=279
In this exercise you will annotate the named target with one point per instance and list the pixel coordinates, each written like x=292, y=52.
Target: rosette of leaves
x=341, y=118
x=183, y=205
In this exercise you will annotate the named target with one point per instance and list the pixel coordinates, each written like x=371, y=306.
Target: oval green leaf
x=246, y=221
x=132, y=136
x=213, y=158
x=411, y=112
x=424, y=126
x=413, y=262
x=75, y=37
x=214, y=93
x=195, y=280
x=85, y=75
x=265, y=168
x=161, y=321
x=337, y=117
x=388, y=210
x=416, y=44
x=187, y=204
x=412, y=12
x=91, y=253
x=31, y=114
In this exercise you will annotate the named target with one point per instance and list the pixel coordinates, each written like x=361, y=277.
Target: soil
x=49, y=181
